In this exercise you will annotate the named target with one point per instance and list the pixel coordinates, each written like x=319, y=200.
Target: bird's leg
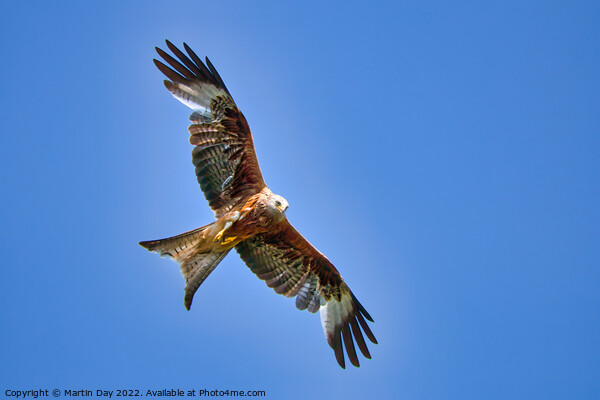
x=219, y=235
x=229, y=220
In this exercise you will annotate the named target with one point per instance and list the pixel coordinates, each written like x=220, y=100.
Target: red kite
x=249, y=216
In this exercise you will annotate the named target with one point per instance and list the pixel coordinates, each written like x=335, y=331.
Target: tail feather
x=195, y=262
x=199, y=267
x=177, y=247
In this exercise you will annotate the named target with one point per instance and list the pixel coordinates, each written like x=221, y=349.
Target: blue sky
x=443, y=155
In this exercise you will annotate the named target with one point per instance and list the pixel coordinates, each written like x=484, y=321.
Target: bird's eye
x=277, y=203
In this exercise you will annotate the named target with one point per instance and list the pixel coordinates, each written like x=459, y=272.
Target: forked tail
x=195, y=263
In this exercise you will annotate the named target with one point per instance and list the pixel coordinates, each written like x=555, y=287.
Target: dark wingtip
x=158, y=64
x=349, y=344
x=367, y=316
x=145, y=244
x=168, y=72
x=160, y=51
x=335, y=342
x=361, y=308
x=213, y=69
x=191, y=53
x=171, y=46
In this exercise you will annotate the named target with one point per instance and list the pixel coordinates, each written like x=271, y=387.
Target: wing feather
x=336, y=345
x=226, y=165
x=175, y=64
x=204, y=71
x=360, y=341
x=188, y=63
x=290, y=265
x=169, y=73
x=349, y=345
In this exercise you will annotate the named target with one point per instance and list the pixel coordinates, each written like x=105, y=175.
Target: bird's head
x=279, y=202
x=276, y=206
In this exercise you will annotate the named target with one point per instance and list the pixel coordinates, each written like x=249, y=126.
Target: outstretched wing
x=290, y=265
x=224, y=156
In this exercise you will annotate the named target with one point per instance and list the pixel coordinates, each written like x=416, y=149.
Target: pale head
x=278, y=202
x=275, y=206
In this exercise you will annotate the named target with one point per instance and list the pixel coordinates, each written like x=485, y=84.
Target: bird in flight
x=249, y=217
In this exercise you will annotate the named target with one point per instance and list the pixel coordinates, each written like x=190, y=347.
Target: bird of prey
x=249, y=217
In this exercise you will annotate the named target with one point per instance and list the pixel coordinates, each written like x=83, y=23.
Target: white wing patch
x=197, y=96
x=332, y=315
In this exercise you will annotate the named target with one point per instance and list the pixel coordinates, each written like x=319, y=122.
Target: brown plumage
x=250, y=218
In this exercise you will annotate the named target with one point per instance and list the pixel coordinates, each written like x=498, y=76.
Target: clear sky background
x=445, y=156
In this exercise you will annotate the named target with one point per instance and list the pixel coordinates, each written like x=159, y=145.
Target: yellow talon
x=219, y=237
x=228, y=240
